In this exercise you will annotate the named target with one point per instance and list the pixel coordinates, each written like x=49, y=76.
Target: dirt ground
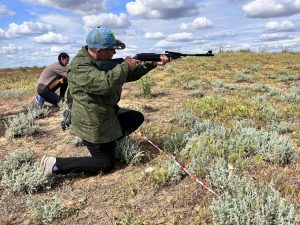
x=93, y=198
x=126, y=194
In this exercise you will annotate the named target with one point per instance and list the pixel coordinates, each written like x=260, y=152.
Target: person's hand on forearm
x=132, y=62
x=163, y=60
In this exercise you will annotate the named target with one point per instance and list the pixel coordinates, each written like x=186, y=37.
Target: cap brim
x=119, y=45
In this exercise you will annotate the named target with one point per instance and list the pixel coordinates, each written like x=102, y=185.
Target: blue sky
x=34, y=32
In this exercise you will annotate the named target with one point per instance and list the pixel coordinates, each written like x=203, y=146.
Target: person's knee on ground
x=103, y=154
x=130, y=121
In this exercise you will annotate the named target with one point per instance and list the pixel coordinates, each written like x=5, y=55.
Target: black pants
x=102, y=155
x=49, y=94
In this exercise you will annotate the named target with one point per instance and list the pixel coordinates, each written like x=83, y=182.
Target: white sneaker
x=47, y=163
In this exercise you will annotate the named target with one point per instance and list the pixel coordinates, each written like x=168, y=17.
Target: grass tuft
x=129, y=151
x=20, y=173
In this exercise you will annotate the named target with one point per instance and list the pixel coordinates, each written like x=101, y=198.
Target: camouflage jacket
x=95, y=96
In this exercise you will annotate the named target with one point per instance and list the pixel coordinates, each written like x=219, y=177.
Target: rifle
x=171, y=55
x=106, y=65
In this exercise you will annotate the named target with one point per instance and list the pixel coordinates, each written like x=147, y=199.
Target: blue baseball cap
x=102, y=37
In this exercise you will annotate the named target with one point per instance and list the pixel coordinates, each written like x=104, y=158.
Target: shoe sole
x=43, y=163
x=49, y=177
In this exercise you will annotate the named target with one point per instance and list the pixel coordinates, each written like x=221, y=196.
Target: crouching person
x=53, y=77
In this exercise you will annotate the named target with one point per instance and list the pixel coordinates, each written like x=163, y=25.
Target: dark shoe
x=40, y=100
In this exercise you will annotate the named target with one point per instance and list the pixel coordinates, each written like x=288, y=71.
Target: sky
x=34, y=32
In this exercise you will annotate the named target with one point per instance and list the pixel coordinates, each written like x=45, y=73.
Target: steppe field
x=232, y=121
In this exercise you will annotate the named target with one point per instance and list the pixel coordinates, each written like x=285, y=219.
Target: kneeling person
x=96, y=118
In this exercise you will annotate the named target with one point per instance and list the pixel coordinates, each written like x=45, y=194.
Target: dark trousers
x=49, y=94
x=102, y=155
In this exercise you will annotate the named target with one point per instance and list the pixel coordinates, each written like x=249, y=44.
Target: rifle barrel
x=174, y=55
x=209, y=53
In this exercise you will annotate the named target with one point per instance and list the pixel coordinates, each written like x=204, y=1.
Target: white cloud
x=166, y=44
x=280, y=44
x=155, y=35
x=197, y=24
x=271, y=8
x=180, y=37
x=107, y=19
x=10, y=49
x=219, y=35
x=165, y=9
x=59, y=49
x=81, y=7
x=27, y=28
x=237, y=1
x=51, y=38
x=2, y=34
x=274, y=37
x=283, y=26
x=4, y=11
x=66, y=23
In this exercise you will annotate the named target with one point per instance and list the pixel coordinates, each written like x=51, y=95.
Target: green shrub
x=191, y=85
x=223, y=109
x=294, y=93
x=220, y=86
x=218, y=174
x=146, y=86
x=20, y=173
x=129, y=151
x=274, y=92
x=63, y=106
x=131, y=220
x=281, y=127
x=244, y=203
x=262, y=88
x=24, y=124
x=170, y=69
x=47, y=209
x=173, y=172
x=201, y=127
x=185, y=118
x=14, y=93
x=274, y=147
x=271, y=146
x=286, y=78
x=167, y=173
x=198, y=93
x=206, y=143
x=175, y=142
x=77, y=141
x=254, y=67
x=242, y=77
x=207, y=106
x=36, y=111
x=21, y=125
